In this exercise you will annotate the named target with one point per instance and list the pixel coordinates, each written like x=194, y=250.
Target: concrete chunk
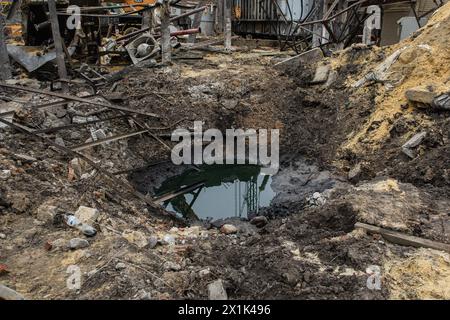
x=355, y=173
x=135, y=237
x=217, y=291
x=87, y=215
x=9, y=294
x=420, y=94
x=228, y=229
x=46, y=213
x=321, y=74
x=78, y=243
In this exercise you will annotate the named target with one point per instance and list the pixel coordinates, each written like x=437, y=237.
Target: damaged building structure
x=107, y=28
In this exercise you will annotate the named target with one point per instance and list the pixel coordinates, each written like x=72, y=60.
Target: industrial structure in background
x=89, y=33
x=303, y=24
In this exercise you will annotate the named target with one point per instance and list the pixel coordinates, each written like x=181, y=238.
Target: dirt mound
x=366, y=125
x=423, y=275
x=421, y=62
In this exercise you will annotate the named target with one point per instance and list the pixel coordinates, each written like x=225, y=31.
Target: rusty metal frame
x=346, y=33
x=291, y=39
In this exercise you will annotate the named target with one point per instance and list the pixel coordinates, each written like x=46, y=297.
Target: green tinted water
x=218, y=192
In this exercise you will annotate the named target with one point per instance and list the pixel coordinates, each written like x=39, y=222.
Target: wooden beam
x=5, y=68
x=79, y=99
x=13, y=9
x=196, y=22
x=9, y=294
x=219, y=16
x=147, y=18
x=403, y=239
x=163, y=198
x=330, y=9
x=57, y=40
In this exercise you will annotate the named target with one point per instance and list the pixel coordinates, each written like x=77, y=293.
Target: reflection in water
x=217, y=192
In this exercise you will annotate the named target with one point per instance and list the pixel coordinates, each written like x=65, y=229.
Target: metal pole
x=227, y=18
x=197, y=21
x=13, y=9
x=165, y=32
x=58, y=44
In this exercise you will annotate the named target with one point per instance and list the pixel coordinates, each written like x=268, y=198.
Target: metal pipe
x=185, y=32
x=186, y=14
x=182, y=32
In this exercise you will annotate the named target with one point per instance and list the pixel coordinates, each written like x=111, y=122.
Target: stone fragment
x=120, y=266
x=172, y=266
x=76, y=165
x=24, y=158
x=5, y=174
x=78, y=243
x=168, y=239
x=204, y=273
x=332, y=77
x=46, y=213
x=152, y=242
x=135, y=237
x=259, y=221
x=60, y=141
x=228, y=229
x=423, y=95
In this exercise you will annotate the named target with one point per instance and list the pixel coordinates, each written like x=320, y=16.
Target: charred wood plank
x=5, y=68
x=58, y=42
x=403, y=239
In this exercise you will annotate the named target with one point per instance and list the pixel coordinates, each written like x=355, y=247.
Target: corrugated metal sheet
x=267, y=17
x=254, y=10
x=262, y=10
x=256, y=17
